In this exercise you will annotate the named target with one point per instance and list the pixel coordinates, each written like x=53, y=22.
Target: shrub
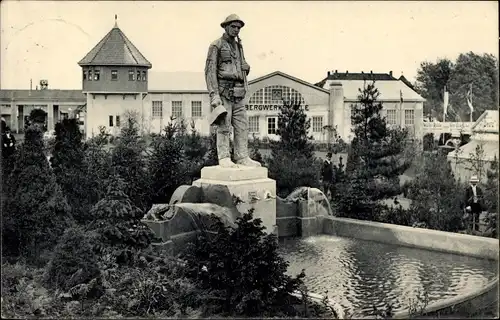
x=242, y=270
x=73, y=262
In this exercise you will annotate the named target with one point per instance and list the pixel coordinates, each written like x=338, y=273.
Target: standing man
x=327, y=174
x=226, y=76
x=473, y=201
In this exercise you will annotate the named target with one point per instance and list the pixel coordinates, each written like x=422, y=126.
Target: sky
x=305, y=39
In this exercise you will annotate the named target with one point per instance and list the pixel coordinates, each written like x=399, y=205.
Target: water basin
x=361, y=274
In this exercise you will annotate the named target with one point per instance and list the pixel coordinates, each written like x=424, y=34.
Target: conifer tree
x=168, y=165
x=129, y=162
x=375, y=157
x=292, y=162
x=117, y=224
x=436, y=195
x=35, y=213
x=70, y=169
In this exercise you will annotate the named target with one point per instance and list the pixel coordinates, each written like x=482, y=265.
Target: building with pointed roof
x=115, y=81
x=476, y=156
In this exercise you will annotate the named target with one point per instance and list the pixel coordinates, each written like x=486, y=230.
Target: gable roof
x=354, y=76
x=115, y=49
x=487, y=122
x=390, y=90
x=279, y=73
x=43, y=95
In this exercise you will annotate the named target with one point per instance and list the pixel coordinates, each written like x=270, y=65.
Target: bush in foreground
x=243, y=271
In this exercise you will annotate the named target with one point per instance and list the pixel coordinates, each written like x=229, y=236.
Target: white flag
x=469, y=99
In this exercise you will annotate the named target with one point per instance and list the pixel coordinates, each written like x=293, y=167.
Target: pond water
x=361, y=274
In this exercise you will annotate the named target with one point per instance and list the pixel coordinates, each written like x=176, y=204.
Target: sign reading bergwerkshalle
x=268, y=107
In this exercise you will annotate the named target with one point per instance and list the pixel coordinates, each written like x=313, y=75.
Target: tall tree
x=35, y=213
x=436, y=195
x=376, y=158
x=70, y=169
x=169, y=167
x=292, y=163
x=129, y=162
x=480, y=71
x=431, y=80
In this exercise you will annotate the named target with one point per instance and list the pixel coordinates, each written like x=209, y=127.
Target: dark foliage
x=292, y=162
x=70, y=169
x=169, y=166
x=73, y=263
x=129, y=162
x=437, y=195
x=35, y=212
x=120, y=234
x=242, y=270
x=376, y=158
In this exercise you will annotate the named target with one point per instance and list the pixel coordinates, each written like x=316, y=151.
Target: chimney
x=347, y=72
x=371, y=71
x=390, y=73
x=31, y=84
x=335, y=71
x=328, y=73
x=362, y=72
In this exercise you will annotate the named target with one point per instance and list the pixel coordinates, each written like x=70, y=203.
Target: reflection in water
x=360, y=274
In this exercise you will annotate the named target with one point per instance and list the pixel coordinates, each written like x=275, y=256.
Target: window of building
x=97, y=75
x=144, y=76
x=84, y=75
x=157, y=109
x=177, y=109
x=110, y=121
x=90, y=75
x=272, y=124
x=274, y=95
x=117, y=121
x=317, y=124
x=138, y=75
x=114, y=74
x=253, y=124
x=409, y=117
x=391, y=117
x=196, y=109
x=131, y=75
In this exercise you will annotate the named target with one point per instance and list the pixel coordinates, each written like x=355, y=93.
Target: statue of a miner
x=226, y=75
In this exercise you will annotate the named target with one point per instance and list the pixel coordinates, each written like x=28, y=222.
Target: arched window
x=275, y=95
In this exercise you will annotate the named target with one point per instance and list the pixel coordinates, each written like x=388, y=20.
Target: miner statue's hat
x=232, y=18
x=217, y=114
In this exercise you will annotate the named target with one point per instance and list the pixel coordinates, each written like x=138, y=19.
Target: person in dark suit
x=473, y=201
x=327, y=174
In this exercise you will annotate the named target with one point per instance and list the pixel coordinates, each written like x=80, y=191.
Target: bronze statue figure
x=226, y=76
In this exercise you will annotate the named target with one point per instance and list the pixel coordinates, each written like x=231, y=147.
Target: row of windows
x=391, y=117
x=95, y=75
x=272, y=124
x=157, y=109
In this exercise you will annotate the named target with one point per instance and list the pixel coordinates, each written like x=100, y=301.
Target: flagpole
x=471, y=111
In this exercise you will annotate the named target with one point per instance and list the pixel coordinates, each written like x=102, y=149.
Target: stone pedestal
x=251, y=185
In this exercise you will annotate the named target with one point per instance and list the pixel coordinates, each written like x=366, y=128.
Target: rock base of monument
x=251, y=185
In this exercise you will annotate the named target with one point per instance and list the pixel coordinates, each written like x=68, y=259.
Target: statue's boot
x=248, y=162
x=227, y=163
